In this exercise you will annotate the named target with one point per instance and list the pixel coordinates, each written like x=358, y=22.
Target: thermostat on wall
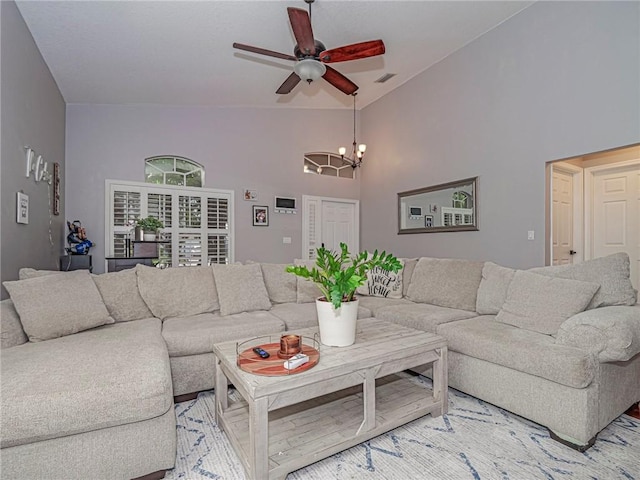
x=285, y=205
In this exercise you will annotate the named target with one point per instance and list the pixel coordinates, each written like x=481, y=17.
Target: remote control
x=296, y=361
x=261, y=352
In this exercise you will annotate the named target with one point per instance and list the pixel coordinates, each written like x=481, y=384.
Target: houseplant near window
x=338, y=275
x=149, y=226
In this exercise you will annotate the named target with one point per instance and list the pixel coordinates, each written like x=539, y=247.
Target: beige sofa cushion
x=493, y=288
x=383, y=283
x=612, y=273
x=170, y=292
x=240, y=288
x=421, y=316
x=11, y=332
x=520, y=349
x=446, y=282
x=112, y=375
x=307, y=291
x=120, y=293
x=407, y=273
x=540, y=303
x=281, y=285
x=25, y=273
x=53, y=306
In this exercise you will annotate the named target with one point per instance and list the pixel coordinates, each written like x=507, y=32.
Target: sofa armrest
x=611, y=333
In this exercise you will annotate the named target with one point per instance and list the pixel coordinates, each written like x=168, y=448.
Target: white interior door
x=562, y=217
x=328, y=222
x=615, y=214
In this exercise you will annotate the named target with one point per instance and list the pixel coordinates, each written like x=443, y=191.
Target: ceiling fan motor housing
x=299, y=54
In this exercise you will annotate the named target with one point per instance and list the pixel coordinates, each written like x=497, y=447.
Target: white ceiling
x=180, y=53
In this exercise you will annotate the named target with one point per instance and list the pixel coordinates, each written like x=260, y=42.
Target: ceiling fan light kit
x=309, y=69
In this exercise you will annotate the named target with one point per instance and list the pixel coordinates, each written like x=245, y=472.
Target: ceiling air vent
x=385, y=77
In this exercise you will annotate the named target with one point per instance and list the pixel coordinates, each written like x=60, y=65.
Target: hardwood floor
x=634, y=411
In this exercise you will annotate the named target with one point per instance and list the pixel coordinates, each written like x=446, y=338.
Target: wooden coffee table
x=353, y=394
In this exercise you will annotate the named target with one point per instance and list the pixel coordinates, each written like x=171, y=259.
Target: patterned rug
x=475, y=441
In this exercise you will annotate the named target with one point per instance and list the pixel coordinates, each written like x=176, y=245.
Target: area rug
x=475, y=441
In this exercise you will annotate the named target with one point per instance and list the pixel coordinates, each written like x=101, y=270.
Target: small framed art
x=260, y=216
x=22, y=208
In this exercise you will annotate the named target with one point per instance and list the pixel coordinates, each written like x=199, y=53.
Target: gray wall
x=557, y=80
x=33, y=113
x=257, y=149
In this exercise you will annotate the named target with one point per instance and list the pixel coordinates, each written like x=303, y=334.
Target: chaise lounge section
x=91, y=363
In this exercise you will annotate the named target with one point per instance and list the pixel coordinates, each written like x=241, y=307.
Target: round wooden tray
x=251, y=362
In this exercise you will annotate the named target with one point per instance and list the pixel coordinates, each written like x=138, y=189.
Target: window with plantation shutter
x=197, y=221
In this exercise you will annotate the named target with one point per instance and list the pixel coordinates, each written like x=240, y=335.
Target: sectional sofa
x=91, y=363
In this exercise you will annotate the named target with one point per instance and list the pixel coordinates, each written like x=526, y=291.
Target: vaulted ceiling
x=180, y=52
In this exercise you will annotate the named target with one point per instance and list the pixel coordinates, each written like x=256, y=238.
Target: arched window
x=325, y=163
x=169, y=170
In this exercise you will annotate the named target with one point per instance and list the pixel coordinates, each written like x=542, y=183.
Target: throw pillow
x=612, y=273
x=241, y=288
x=11, y=332
x=493, y=288
x=382, y=283
x=541, y=303
x=53, y=306
x=307, y=291
x=446, y=282
x=120, y=293
x=281, y=285
x=177, y=291
x=407, y=273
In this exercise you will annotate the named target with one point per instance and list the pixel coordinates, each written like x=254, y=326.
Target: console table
x=143, y=252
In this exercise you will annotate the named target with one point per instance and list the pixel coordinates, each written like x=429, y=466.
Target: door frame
x=305, y=219
x=589, y=174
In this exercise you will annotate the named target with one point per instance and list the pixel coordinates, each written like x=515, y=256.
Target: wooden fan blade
x=301, y=25
x=339, y=81
x=262, y=51
x=353, y=52
x=288, y=85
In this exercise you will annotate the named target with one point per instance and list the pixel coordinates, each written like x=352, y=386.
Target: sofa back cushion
x=307, y=291
x=120, y=294
x=11, y=332
x=407, y=273
x=25, y=273
x=240, y=288
x=612, y=273
x=493, y=288
x=53, y=306
x=177, y=291
x=383, y=283
x=541, y=303
x=446, y=282
x=281, y=285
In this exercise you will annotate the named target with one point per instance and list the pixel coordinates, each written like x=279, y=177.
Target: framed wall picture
x=22, y=208
x=428, y=221
x=260, y=216
x=56, y=188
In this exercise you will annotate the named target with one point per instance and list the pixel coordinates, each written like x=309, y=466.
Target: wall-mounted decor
x=260, y=216
x=452, y=207
x=22, y=208
x=56, y=188
x=37, y=166
x=251, y=195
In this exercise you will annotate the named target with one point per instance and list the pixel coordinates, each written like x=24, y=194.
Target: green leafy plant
x=149, y=224
x=338, y=274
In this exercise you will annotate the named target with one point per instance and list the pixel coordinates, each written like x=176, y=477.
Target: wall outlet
x=286, y=239
x=531, y=235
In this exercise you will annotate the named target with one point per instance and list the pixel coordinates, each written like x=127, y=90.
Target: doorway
x=593, y=208
x=327, y=222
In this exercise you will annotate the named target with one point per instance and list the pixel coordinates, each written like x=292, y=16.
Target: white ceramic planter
x=149, y=237
x=337, y=326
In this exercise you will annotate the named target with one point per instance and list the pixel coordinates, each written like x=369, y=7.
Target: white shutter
x=188, y=238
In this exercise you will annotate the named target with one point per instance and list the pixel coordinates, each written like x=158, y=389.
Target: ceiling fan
x=311, y=56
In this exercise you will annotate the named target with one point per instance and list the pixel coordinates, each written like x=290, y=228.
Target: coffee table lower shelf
x=309, y=431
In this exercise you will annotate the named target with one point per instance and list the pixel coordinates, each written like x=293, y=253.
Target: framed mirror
x=448, y=207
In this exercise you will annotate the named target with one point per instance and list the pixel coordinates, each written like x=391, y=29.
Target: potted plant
x=338, y=275
x=149, y=226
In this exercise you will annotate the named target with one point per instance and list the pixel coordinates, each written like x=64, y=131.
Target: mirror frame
x=434, y=188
